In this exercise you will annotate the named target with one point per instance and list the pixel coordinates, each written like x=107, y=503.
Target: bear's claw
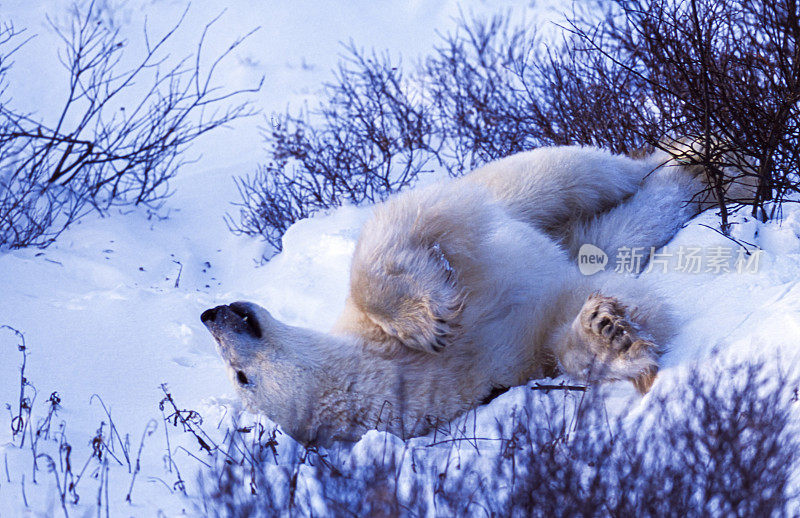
x=614, y=339
x=605, y=320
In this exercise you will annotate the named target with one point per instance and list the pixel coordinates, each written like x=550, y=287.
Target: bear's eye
x=240, y=376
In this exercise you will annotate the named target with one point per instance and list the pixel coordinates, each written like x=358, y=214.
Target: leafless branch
x=109, y=146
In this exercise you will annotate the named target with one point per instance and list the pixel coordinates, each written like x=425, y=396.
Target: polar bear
x=469, y=286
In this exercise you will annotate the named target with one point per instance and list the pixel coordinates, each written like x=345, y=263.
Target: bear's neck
x=363, y=385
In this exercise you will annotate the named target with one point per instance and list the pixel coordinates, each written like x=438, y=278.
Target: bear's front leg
x=605, y=342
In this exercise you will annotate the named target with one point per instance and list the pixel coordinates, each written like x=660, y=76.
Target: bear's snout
x=210, y=315
x=236, y=317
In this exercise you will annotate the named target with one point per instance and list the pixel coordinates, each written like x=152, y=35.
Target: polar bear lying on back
x=468, y=286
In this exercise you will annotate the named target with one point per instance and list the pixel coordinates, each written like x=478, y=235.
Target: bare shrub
x=483, y=108
x=626, y=75
x=109, y=145
x=719, y=445
x=370, y=137
x=725, y=73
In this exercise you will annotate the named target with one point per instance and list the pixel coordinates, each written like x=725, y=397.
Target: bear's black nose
x=209, y=315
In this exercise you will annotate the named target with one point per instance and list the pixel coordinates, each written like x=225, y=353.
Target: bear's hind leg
x=605, y=341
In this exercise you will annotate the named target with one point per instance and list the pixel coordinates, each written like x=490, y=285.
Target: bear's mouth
x=237, y=317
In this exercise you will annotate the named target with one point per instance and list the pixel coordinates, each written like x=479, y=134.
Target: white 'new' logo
x=591, y=259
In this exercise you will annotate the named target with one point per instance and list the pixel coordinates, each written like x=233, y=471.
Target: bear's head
x=275, y=367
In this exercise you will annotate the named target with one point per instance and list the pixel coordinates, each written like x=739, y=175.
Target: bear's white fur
x=468, y=286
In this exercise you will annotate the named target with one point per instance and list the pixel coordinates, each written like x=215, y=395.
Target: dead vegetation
x=721, y=442
x=625, y=75
x=119, y=136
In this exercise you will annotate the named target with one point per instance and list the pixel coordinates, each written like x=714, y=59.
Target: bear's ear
x=417, y=302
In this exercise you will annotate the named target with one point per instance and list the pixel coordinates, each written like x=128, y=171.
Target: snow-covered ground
x=111, y=311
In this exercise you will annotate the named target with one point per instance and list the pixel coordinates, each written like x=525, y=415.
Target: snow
x=111, y=310
x=101, y=315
